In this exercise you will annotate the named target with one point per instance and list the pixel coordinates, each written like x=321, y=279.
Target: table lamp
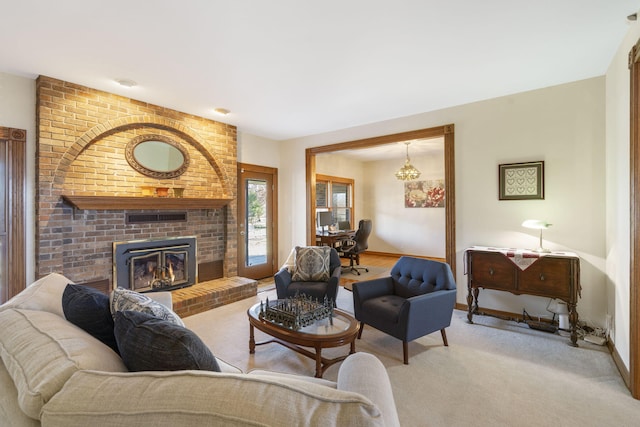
x=537, y=224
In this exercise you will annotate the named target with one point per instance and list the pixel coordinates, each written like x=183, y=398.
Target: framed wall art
x=521, y=181
x=424, y=194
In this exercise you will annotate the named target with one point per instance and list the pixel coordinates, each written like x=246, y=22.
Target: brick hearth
x=204, y=296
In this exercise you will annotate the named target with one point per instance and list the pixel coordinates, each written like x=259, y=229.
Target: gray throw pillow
x=88, y=309
x=147, y=343
x=312, y=264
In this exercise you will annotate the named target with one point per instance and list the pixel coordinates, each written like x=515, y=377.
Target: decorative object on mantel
x=521, y=181
x=162, y=191
x=178, y=192
x=537, y=224
x=424, y=194
x=148, y=191
x=407, y=172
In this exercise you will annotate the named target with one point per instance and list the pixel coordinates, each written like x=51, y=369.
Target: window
x=335, y=194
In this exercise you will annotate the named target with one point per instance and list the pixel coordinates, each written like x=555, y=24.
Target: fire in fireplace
x=155, y=265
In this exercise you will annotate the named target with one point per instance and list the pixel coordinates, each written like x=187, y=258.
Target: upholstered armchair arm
x=373, y=288
x=368, y=289
x=333, y=282
x=427, y=313
x=283, y=280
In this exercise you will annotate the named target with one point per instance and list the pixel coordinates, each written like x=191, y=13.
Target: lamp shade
x=536, y=224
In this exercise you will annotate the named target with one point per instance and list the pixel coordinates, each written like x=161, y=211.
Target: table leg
x=318, y=361
x=252, y=341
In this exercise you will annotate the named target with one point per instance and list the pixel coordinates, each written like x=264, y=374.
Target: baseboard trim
x=389, y=254
x=617, y=360
x=504, y=315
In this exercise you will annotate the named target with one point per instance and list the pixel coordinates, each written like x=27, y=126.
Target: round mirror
x=157, y=156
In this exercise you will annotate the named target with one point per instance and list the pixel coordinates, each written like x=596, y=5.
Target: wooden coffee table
x=341, y=331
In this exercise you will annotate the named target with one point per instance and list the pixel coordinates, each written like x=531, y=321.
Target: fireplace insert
x=155, y=265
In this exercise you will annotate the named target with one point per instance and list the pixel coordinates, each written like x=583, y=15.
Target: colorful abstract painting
x=424, y=194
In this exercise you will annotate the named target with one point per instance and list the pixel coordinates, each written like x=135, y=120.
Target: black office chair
x=352, y=249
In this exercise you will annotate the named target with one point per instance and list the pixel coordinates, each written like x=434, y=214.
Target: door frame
x=14, y=168
x=446, y=131
x=274, y=209
x=634, y=273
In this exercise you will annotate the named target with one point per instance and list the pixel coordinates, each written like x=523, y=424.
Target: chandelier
x=407, y=172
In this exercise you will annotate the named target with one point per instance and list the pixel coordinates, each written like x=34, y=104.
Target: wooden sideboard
x=554, y=275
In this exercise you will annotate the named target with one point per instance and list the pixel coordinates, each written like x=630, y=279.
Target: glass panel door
x=255, y=214
x=255, y=224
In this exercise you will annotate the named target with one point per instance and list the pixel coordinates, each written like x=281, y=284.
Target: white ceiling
x=289, y=68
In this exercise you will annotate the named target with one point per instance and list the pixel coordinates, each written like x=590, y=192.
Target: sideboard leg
x=470, y=306
x=573, y=320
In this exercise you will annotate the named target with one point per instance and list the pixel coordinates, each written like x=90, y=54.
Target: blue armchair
x=415, y=300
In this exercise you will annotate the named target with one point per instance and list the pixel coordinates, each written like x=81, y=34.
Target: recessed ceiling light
x=126, y=82
x=221, y=111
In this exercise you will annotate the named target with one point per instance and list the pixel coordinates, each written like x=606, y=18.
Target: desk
x=551, y=275
x=332, y=239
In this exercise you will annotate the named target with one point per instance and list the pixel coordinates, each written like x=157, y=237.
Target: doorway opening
x=446, y=132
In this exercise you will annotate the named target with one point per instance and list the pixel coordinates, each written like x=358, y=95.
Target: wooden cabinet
x=555, y=275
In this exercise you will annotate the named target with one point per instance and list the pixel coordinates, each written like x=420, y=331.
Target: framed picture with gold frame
x=521, y=181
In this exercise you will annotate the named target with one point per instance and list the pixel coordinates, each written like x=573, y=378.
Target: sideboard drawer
x=493, y=270
x=547, y=277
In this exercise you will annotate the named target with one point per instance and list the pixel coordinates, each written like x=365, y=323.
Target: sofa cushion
x=190, y=398
x=42, y=350
x=125, y=299
x=312, y=263
x=10, y=411
x=89, y=309
x=147, y=343
x=45, y=294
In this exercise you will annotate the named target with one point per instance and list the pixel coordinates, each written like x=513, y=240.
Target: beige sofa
x=55, y=374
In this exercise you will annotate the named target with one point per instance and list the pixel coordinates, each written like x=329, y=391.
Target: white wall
x=255, y=150
x=617, y=201
x=562, y=125
x=400, y=230
x=18, y=110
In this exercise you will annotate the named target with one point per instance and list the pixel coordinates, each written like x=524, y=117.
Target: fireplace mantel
x=148, y=203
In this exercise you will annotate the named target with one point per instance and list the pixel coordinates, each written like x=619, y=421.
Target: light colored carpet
x=494, y=372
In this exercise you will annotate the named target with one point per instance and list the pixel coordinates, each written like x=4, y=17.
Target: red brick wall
x=82, y=135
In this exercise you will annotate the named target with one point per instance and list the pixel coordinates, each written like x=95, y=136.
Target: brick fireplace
x=82, y=135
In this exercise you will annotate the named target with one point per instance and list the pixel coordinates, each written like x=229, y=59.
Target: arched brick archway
x=121, y=124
